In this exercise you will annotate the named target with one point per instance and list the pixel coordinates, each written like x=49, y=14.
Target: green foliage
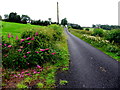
x=63, y=82
x=40, y=50
x=64, y=22
x=28, y=80
x=21, y=85
x=100, y=43
x=64, y=69
x=75, y=26
x=113, y=35
x=56, y=57
x=39, y=22
x=40, y=85
x=25, y=19
x=0, y=17
x=98, y=32
x=87, y=29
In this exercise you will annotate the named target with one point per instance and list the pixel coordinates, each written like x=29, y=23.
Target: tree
x=18, y=19
x=0, y=17
x=25, y=19
x=49, y=20
x=6, y=16
x=64, y=22
x=12, y=17
x=93, y=26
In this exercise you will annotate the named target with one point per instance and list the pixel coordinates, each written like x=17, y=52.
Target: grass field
x=15, y=28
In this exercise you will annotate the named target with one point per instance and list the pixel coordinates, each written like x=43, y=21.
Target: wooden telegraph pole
x=57, y=13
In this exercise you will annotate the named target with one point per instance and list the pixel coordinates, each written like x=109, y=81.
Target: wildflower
x=34, y=72
x=47, y=49
x=32, y=38
x=9, y=45
x=16, y=37
x=15, y=76
x=22, y=72
x=28, y=43
x=22, y=40
x=53, y=53
x=38, y=66
x=41, y=69
x=38, y=72
x=42, y=49
x=37, y=52
x=19, y=74
x=28, y=74
x=28, y=52
x=21, y=46
x=28, y=38
x=36, y=34
x=19, y=50
x=26, y=71
x=9, y=35
x=24, y=56
x=5, y=44
x=5, y=55
x=0, y=44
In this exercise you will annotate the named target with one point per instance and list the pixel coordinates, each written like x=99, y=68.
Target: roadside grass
x=99, y=43
x=43, y=76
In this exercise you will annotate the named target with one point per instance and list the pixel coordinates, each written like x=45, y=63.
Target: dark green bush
x=98, y=32
x=113, y=35
x=87, y=29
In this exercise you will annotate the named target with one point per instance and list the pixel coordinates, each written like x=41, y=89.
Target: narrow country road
x=89, y=67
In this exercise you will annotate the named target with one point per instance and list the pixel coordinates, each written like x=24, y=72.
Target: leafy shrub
x=36, y=47
x=87, y=29
x=112, y=48
x=83, y=31
x=113, y=35
x=98, y=32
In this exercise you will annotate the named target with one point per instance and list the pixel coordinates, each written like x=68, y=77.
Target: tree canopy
x=64, y=22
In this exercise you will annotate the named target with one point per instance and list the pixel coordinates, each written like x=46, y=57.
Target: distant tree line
x=75, y=26
x=106, y=27
x=14, y=17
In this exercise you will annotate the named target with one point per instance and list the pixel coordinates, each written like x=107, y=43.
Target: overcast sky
x=82, y=12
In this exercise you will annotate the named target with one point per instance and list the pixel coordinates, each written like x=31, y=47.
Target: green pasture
x=15, y=28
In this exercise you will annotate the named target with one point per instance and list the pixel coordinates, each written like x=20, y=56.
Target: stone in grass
x=63, y=82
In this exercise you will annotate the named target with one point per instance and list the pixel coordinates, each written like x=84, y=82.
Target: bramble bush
x=98, y=32
x=36, y=47
x=113, y=35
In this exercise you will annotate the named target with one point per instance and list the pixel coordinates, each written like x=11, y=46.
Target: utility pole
x=57, y=13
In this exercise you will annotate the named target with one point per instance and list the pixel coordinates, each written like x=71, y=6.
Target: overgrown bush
x=98, y=32
x=36, y=47
x=113, y=35
x=87, y=29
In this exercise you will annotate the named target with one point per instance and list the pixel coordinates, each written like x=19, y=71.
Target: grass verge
x=99, y=43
